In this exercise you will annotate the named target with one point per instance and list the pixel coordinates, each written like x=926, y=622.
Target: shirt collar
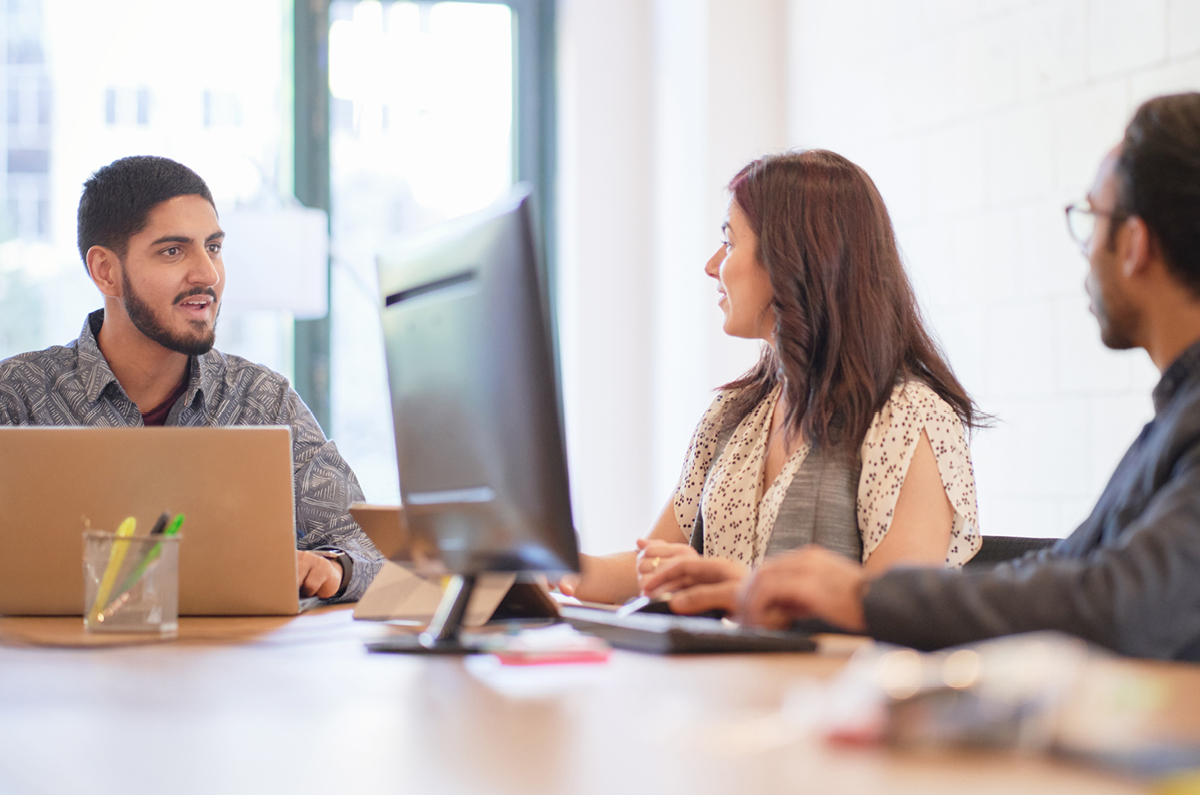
x=1185, y=367
x=203, y=371
x=93, y=368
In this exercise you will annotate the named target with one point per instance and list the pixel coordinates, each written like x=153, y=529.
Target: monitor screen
x=475, y=401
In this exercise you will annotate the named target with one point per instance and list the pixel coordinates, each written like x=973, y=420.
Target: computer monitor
x=475, y=402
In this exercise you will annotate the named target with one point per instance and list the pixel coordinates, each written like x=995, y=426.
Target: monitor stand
x=444, y=633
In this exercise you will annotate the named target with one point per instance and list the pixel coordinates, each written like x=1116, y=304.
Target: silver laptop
x=234, y=486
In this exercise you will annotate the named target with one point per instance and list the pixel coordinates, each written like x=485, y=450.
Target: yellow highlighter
x=115, y=559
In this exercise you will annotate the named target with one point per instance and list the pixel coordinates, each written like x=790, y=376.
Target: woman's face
x=742, y=283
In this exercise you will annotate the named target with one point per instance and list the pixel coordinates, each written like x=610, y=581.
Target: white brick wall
x=978, y=119
x=1183, y=17
x=1002, y=111
x=604, y=307
x=661, y=103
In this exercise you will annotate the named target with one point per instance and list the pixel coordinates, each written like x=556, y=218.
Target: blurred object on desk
x=1041, y=692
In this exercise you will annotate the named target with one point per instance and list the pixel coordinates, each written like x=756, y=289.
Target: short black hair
x=119, y=196
x=1158, y=179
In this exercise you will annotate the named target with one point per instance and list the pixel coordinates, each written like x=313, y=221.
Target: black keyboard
x=671, y=634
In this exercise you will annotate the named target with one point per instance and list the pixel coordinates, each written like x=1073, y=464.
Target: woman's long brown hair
x=847, y=325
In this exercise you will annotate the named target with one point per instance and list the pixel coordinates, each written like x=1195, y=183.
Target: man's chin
x=202, y=346
x=1114, y=340
x=200, y=331
x=196, y=344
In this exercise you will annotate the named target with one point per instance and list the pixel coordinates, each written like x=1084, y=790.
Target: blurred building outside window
x=207, y=84
x=421, y=131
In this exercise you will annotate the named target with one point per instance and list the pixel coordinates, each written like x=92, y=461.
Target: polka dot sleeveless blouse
x=739, y=513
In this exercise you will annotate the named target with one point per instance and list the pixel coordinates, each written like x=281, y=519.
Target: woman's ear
x=104, y=267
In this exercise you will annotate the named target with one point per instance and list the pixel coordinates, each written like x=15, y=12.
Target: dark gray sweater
x=1128, y=578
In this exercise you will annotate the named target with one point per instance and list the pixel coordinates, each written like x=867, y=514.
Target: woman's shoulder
x=913, y=406
x=714, y=428
x=915, y=397
x=712, y=421
x=726, y=394
x=708, y=439
x=721, y=402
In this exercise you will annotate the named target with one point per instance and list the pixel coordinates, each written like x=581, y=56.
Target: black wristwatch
x=347, y=567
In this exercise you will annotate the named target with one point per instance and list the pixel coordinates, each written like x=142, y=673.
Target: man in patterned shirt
x=150, y=241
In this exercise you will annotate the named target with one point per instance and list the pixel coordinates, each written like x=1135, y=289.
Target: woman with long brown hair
x=848, y=433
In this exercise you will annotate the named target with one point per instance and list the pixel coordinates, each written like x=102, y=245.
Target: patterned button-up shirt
x=73, y=385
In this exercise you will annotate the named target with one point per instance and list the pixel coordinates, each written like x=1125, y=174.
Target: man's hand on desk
x=809, y=583
x=317, y=576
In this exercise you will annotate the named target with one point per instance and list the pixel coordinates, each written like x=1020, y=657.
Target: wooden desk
x=299, y=706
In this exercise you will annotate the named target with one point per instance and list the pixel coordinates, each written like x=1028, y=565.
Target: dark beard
x=145, y=321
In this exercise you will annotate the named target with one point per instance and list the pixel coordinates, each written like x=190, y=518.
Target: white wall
x=719, y=103
x=660, y=103
x=978, y=119
x=604, y=306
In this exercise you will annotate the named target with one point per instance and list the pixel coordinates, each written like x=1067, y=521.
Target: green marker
x=143, y=564
x=174, y=526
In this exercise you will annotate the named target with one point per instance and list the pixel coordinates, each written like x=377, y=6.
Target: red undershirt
x=158, y=414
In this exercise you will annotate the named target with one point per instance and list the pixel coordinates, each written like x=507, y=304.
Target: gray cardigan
x=820, y=506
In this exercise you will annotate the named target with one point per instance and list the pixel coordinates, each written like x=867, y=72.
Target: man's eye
x=214, y=248
x=172, y=251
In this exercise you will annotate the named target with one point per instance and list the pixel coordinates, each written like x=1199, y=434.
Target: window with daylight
x=422, y=129
x=69, y=112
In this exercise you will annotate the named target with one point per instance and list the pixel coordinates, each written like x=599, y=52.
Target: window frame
x=534, y=143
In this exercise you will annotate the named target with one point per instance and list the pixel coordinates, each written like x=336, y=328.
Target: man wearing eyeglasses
x=1129, y=577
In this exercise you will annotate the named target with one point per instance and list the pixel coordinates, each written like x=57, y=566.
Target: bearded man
x=151, y=243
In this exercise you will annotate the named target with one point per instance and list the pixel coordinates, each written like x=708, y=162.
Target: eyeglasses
x=1081, y=222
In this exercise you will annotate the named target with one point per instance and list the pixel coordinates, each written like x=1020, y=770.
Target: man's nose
x=204, y=270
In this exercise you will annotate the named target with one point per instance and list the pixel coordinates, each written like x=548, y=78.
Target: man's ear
x=1135, y=247
x=105, y=269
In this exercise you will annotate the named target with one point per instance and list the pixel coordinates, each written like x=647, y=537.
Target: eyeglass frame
x=1094, y=213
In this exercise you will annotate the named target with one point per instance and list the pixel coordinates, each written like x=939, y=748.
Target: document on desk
x=398, y=593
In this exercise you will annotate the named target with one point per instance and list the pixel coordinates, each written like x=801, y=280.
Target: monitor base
x=411, y=644
x=444, y=634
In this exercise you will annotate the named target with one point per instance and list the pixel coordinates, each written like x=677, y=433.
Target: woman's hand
x=653, y=556
x=698, y=584
x=566, y=584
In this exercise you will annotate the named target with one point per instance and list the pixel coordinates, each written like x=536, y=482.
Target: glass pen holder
x=131, y=583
